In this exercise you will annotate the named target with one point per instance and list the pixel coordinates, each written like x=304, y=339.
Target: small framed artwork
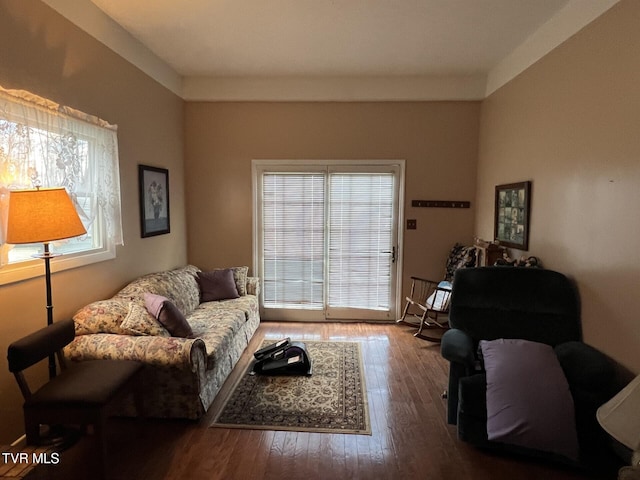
x=511, y=225
x=154, y=200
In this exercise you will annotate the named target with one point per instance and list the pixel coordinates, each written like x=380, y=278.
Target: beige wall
x=438, y=140
x=571, y=124
x=44, y=53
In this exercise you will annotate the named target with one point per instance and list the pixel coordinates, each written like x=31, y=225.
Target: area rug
x=333, y=399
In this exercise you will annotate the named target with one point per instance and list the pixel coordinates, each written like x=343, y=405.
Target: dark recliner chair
x=519, y=303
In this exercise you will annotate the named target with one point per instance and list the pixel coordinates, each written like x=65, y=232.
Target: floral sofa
x=183, y=375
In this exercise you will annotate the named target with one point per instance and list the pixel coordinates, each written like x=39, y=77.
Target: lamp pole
x=47, y=256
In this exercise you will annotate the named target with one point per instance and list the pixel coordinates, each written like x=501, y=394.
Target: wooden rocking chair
x=432, y=301
x=429, y=299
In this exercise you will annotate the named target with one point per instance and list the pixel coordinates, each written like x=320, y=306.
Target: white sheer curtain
x=45, y=144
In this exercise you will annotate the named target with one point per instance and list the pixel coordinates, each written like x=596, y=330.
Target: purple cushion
x=154, y=303
x=168, y=315
x=529, y=403
x=217, y=285
x=174, y=321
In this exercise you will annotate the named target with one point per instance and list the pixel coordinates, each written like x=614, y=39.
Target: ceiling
x=209, y=42
x=330, y=37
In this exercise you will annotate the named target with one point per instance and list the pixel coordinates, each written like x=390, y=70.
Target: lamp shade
x=620, y=416
x=42, y=215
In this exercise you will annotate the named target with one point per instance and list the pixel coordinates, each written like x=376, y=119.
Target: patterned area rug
x=332, y=400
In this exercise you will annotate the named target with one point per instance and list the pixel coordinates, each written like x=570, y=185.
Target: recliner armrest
x=590, y=375
x=457, y=346
x=585, y=367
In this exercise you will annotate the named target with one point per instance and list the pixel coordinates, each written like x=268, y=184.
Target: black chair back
x=39, y=345
x=515, y=302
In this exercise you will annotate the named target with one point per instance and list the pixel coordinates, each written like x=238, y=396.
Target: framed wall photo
x=154, y=200
x=511, y=225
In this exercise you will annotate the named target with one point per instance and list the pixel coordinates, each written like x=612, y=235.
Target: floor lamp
x=43, y=215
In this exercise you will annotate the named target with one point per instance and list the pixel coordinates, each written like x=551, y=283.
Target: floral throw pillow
x=240, y=277
x=140, y=322
x=102, y=316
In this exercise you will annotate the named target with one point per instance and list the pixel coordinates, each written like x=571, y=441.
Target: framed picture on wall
x=154, y=200
x=511, y=225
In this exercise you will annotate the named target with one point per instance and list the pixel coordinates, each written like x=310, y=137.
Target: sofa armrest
x=182, y=353
x=253, y=286
x=457, y=347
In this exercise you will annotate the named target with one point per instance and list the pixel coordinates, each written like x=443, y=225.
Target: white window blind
x=360, y=238
x=293, y=239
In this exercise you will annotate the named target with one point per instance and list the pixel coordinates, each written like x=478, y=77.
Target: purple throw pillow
x=174, y=321
x=529, y=403
x=154, y=303
x=168, y=315
x=217, y=285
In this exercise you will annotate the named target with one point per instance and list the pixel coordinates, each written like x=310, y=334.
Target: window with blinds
x=360, y=240
x=327, y=240
x=293, y=239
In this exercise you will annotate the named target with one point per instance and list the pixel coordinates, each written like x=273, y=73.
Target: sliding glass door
x=326, y=239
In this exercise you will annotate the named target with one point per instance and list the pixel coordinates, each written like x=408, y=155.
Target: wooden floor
x=405, y=379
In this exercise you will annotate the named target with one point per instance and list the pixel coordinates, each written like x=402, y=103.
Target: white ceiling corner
x=565, y=23
x=342, y=50
x=88, y=17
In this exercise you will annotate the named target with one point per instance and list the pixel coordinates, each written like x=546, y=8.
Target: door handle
x=393, y=254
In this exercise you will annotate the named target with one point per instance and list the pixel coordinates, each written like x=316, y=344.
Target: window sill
x=35, y=268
